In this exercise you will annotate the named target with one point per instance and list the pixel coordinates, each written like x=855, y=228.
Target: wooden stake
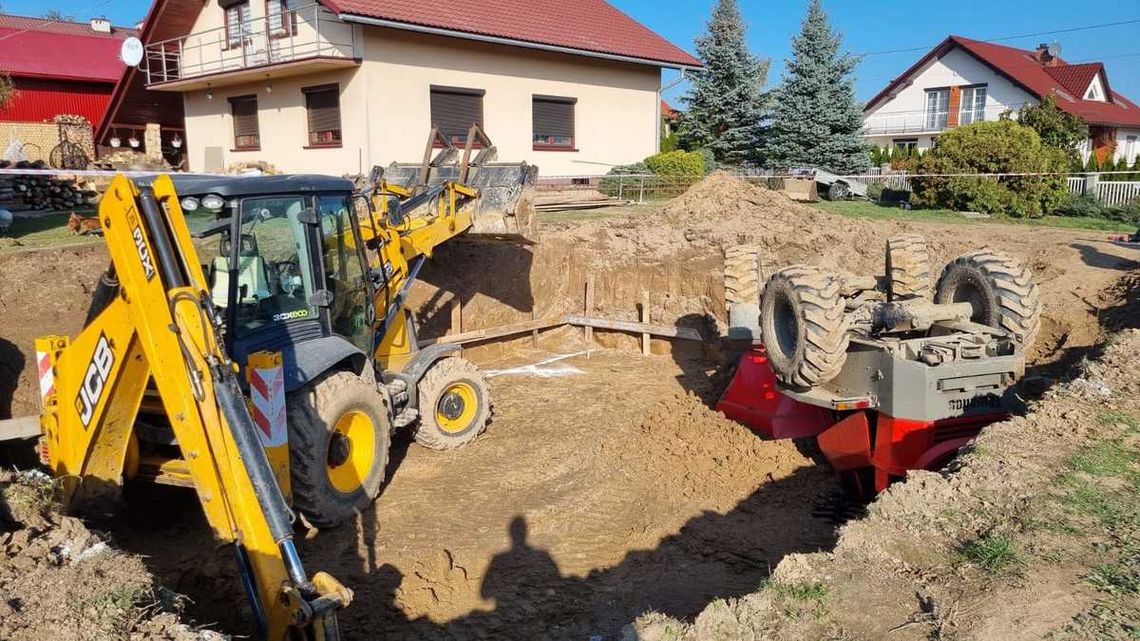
x=587, y=307
x=645, y=319
x=456, y=316
x=534, y=334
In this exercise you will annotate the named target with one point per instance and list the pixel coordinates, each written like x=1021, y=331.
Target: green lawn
x=865, y=209
x=48, y=230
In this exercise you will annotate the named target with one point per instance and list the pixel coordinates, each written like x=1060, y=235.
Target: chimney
x=100, y=25
x=1049, y=53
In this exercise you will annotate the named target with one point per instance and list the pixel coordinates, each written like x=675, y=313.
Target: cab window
x=344, y=271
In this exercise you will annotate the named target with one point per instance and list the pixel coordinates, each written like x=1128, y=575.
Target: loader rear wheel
x=804, y=325
x=908, y=267
x=741, y=275
x=1000, y=289
x=454, y=404
x=339, y=435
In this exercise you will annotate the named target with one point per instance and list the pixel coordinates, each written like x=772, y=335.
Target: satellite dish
x=132, y=51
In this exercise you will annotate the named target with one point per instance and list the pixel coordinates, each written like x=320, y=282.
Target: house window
x=244, y=112
x=1094, y=91
x=937, y=109
x=553, y=122
x=973, y=107
x=282, y=21
x=322, y=104
x=908, y=145
x=237, y=23
x=1130, y=150
x=455, y=109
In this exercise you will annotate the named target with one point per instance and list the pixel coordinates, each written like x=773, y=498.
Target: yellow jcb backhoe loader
x=152, y=345
x=317, y=270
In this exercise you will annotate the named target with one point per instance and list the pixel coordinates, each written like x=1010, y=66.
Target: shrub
x=874, y=191
x=1080, y=206
x=677, y=163
x=1002, y=146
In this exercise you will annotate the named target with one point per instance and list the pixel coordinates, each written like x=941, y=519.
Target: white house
x=962, y=81
x=336, y=86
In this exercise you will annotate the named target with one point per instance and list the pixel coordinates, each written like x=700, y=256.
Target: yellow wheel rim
x=456, y=407
x=352, y=451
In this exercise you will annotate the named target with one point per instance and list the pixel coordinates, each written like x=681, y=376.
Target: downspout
x=661, y=90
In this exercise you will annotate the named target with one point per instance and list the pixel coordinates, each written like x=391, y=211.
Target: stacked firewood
x=24, y=192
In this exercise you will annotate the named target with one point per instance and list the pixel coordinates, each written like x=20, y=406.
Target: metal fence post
x=641, y=195
x=621, y=186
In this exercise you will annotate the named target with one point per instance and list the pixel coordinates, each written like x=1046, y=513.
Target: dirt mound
x=722, y=195
x=60, y=580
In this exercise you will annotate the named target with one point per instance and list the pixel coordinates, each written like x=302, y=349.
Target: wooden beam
x=15, y=429
x=494, y=332
x=634, y=327
x=587, y=307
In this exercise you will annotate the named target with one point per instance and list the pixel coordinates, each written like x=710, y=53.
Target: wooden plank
x=456, y=317
x=645, y=320
x=534, y=332
x=14, y=429
x=494, y=332
x=635, y=327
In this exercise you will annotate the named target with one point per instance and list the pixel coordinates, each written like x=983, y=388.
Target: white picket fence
x=1117, y=193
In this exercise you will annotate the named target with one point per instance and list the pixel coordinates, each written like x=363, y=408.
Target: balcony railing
x=923, y=122
x=300, y=34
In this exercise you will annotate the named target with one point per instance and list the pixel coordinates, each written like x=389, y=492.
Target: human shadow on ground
x=1094, y=257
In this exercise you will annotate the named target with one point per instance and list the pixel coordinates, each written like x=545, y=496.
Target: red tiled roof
x=668, y=111
x=585, y=25
x=41, y=48
x=1023, y=68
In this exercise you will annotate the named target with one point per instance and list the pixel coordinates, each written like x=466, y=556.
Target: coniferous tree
x=726, y=102
x=816, y=120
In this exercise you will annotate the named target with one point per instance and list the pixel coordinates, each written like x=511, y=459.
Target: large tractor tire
x=1000, y=289
x=339, y=434
x=454, y=404
x=804, y=325
x=741, y=275
x=908, y=268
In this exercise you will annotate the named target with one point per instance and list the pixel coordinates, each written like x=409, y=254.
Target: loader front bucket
x=800, y=188
x=505, y=206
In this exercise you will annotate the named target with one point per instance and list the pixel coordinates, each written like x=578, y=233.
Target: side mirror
x=309, y=216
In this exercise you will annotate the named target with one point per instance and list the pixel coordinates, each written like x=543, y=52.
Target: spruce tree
x=726, y=99
x=816, y=120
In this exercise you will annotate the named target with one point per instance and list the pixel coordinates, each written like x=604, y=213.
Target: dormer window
x=1096, y=90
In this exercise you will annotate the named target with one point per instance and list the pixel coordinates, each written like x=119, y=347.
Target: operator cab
x=282, y=256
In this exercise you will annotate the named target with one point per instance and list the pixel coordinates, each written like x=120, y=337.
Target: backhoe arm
x=152, y=319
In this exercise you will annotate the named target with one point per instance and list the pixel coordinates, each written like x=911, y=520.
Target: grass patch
x=1119, y=418
x=1107, y=458
x=800, y=591
x=47, y=230
x=1120, y=578
x=994, y=553
x=867, y=209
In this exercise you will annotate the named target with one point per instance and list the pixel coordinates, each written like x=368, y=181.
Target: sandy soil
x=594, y=497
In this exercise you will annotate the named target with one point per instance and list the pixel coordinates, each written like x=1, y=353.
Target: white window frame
x=973, y=104
x=937, y=113
x=1130, y=151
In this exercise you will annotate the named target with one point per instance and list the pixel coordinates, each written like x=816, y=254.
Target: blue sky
x=867, y=25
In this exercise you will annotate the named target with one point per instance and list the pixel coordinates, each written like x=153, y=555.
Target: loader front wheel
x=999, y=288
x=454, y=404
x=339, y=435
x=742, y=275
x=804, y=325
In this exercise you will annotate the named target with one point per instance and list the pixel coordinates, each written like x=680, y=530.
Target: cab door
x=351, y=311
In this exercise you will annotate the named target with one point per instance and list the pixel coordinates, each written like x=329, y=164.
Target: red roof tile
x=1023, y=68
x=42, y=48
x=668, y=111
x=584, y=25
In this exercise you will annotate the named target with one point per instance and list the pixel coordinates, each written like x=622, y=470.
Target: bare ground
x=594, y=497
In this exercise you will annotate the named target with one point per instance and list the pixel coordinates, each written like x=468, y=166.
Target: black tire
x=321, y=454
x=804, y=325
x=741, y=275
x=837, y=191
x=454, y=404
x=908, y=268
x=1000, y=289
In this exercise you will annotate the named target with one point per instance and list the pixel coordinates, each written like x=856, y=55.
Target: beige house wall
x=385, y=106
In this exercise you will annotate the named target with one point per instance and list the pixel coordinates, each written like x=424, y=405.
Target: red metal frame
x=851, y=441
